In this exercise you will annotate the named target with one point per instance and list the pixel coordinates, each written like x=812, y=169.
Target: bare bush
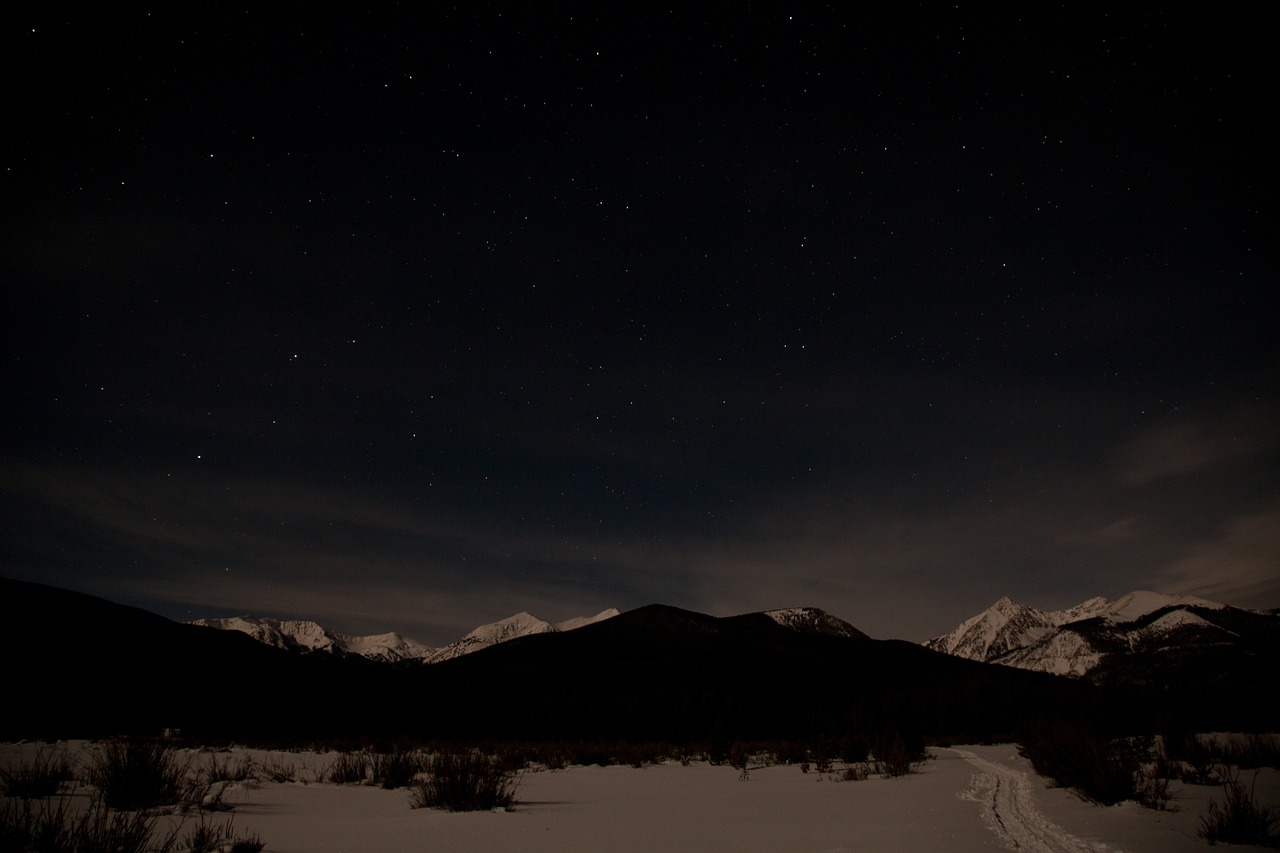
x=349, y=768
x=465, y=782
x=855, y=772
x=229, y=769
x=740, y=760
x=276, y=769
x=1151, y=789
x=895, y=756
x=56, y=827
x=396, y=769
x=131, y=775
x=40, y=777
x=1240, y=819
x=1098, y=768
x=206, y=837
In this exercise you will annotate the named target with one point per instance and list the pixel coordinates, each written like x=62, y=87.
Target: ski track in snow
x=1009, y=810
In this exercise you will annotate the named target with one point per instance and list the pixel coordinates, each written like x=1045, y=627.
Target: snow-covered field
x=965, y=798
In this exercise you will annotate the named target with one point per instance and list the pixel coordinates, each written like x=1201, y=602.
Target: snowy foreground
x=965, y=798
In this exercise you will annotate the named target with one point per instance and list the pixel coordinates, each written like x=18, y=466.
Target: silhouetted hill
x=78, y=665
x=661, y=672
x=82, y=666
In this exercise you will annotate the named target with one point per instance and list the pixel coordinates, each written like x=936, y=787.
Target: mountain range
x=1074, y=641
x=307, y=637
x=82, y=666
x=300, y=635
x=1130, y=639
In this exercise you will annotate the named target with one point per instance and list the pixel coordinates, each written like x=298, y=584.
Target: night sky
x=410, y=320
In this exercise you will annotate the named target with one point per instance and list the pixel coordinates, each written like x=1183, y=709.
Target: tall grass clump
x=1240, y=819
x=131, y=775
x=396, y=769
x=464, y=782
x=349, y=768
x=40, y=777
x=229, y=769
x=278, y=769
x=49, y=827
x=214, y=779
x=206, y=837
x=56, y=827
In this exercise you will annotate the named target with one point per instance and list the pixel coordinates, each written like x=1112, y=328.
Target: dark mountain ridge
x=82, y=666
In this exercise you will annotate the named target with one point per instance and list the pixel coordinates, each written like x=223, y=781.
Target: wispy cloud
x=1194, y=444
x=1240, y=564
x=238, y=544
x=896, y=560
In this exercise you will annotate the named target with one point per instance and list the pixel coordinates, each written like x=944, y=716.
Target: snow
x=787, y=615
x=389, y=646
x=274, y=632
x=1135, y=605
x=521, y=624
x=1062, y=653
x=1014, y=634
x=311, y=637
x=1002, y=627
x=1178, y=619
x=1084, y=610
x=583, y=621
x=967, y=798
x=812, y=619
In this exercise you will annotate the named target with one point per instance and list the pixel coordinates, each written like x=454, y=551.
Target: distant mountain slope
x=813, y=620
x=298, y=635
x=1108, y=641
x=1007, y=626
x=303, y=636
x=504, y=630
x=583, y=621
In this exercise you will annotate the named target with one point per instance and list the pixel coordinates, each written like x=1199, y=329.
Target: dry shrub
x=349, y=768
x=131, y=775
x=396, y=769
x=1240, y=819
x=57, y=827
x=465, y=782
x=40, y=777
x=1101, y=769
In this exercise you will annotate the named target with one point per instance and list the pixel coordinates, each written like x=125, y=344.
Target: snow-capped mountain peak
x=1077, y=640
x=813, y=620
x=1002, y=627
x=389, y=647
x=520, y=625
x=1084, y=610
x=583, y=621
x=305, y=636
x=1138, y=604
x=302, y=635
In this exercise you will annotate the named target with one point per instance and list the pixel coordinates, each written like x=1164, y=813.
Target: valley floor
x=966, y=798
